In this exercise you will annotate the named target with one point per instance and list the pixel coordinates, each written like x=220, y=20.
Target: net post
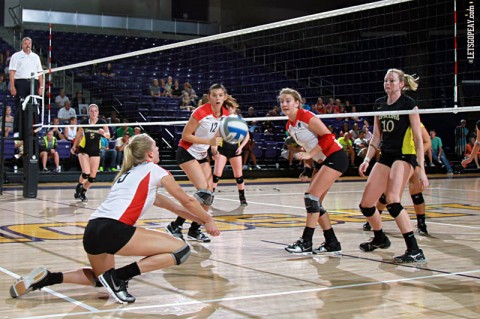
x=30, y=147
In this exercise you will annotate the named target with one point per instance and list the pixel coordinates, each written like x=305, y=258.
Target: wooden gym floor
x=246, y=273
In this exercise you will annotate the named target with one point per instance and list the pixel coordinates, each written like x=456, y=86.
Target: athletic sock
x=329, y=235
x=410, y=241
x=308, y=234
x=127, y=272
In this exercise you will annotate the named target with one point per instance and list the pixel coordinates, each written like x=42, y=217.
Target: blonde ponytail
x=135, y=152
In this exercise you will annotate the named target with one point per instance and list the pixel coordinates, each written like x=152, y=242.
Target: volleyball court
x=246, y=272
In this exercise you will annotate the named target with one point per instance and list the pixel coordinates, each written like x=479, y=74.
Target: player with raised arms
x=198, y=135
x=320, y=145
x=111, y=229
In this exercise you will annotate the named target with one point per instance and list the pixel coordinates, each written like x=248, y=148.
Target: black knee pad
x=367, y=211
x=91, y=180
x=204, y=196
x=383, y=199
x=85, y=176
x=313, y=205
x=215, y=178
x=394, y=209
x=418, y=199
x=181, y=254
x=239, y=180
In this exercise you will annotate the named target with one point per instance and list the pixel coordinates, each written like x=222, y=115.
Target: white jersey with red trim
x=132, y=194
x=303, y=135
x=208, y=127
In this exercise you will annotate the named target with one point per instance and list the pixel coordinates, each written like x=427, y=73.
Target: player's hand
x=467, y=161
x=211, y=228
x=216, y=141
x=363, y=168
x=302, y=156
x=239, y=151
x=101, y=131
x=13, y=91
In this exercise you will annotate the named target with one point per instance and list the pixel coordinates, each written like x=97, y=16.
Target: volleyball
x=233, y=129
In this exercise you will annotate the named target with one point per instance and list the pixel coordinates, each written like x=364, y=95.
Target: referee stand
x=30, y=144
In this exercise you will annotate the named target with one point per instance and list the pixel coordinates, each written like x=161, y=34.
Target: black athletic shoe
x=83, y=197
x=410, y=256
x=300, y=247
x=175, y=231
x=374, y=244
x=422, y=230
x=329, y=249
x=198, y=235
x=116, y=287
x=367, y=227
x=33, y=281
x=243, y=202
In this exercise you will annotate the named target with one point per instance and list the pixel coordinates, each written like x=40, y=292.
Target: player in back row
x=321, y=146
x=199, y=134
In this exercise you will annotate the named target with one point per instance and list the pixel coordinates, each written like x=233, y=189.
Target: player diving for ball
x=321, y=146
x=198, y=135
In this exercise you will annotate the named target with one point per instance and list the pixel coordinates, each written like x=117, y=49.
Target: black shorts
x=92, y=152
x=106, y=235
x=228, y=150
x=337, y=161
x=183, y=156
x=388, y=159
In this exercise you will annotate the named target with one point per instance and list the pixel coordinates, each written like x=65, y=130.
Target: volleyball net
x=341, y=54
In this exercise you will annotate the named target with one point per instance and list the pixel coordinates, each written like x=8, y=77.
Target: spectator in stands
x=108, y=70
x=290, y=148
x=366, y=129
x=176, y=89
x=155, y=89
x=468, y=151
x=305, y=105
x=186, y=102
x=108, y=157
x=438, y=153
x=66, y=113
x=461, y=133
x=330, y=107
x=137, y=130
x=354, y=132
x=113, y=118
x=57, y=131
x=71, y=131
x=61, y=99
x=78, y=99
x=354, y=110
x=120, y=145
x=320, y=106
x=48, y=148
x=203, y=100
x=347, y=145
x=8, y=121
x=122, y=129
x=187, y=87
x=3, y=83
x=168, y=86
x=361, y=145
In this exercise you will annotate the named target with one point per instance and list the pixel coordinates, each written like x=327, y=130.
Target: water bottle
x=15, y=168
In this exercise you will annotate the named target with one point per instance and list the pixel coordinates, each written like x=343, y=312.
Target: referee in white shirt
x=22, y=65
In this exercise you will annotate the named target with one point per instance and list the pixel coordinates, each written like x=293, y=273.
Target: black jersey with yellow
x=393, y=126
x=91, y=140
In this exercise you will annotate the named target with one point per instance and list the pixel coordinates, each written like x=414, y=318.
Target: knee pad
x=181, y=254
x=85, y=176
x=418, y=199
x=215, y=178
x=91, y=180
x=367, y=211
x=239, y=180
x=204, y=196
x=394, y=209
x=383, y=199
x=313, y=205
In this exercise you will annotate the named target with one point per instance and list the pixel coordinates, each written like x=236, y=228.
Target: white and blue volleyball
x=233, y=129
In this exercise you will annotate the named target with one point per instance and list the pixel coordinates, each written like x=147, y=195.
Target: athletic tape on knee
x=239, y=180
x=383, y=199
x=181, y=254
x=313, y=205
x=85, y=176
x=204, y=196
x=418, y=199
x=367, y=211
x=215, y=178
x=394, y=209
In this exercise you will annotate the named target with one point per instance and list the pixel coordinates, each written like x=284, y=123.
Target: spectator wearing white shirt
x=61, y=99
x=66, y=113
